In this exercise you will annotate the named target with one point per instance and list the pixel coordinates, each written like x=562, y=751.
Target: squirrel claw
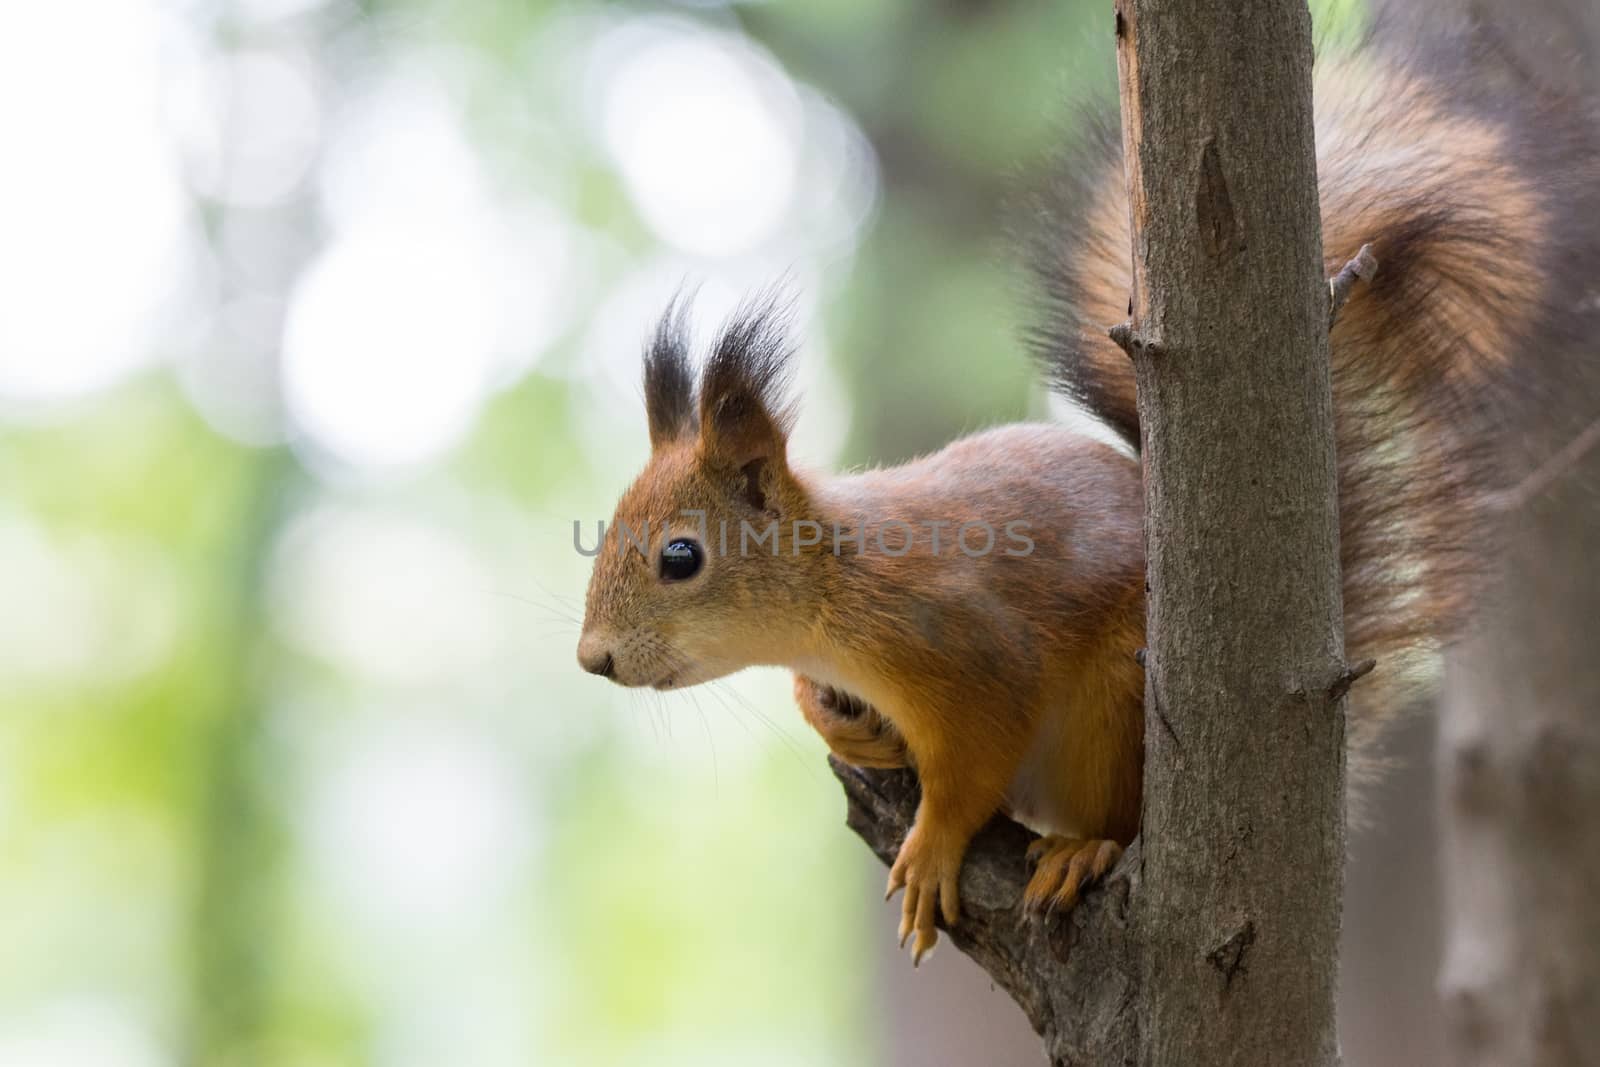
x=930, y=877
x=1063, y=867
x=918, y=918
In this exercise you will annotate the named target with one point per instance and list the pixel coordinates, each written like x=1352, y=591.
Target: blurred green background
x=320, y=329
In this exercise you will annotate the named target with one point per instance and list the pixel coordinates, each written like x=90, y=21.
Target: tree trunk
x=1520, y=798
x=1218, y=943
x=1243, y=860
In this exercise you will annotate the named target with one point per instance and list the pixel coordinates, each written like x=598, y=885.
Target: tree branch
x=1551, y=470
x=1361, y=268
x=1074, y=975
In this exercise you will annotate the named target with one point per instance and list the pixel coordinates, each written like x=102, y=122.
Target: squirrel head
x=680, y=594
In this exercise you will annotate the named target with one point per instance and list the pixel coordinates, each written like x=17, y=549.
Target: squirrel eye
x=681, y=559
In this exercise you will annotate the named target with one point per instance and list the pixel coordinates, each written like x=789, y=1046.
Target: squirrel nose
x=596, y=660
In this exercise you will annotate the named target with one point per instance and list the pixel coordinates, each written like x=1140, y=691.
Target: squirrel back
x=1481, y=208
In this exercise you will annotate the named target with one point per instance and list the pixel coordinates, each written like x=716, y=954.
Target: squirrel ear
x=668, y=385
x=738, y=428
x=743, y=417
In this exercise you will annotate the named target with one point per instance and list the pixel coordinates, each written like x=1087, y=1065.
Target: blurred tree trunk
x=1519, y=755
x=1520, y=795
x=1519, y=758
x=238, y=894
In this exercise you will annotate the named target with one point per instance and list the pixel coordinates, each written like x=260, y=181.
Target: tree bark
x=1216, y=939
x=1243, y=859
x=1075, y=977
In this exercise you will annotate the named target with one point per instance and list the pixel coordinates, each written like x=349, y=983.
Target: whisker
x=705, y=726
x=549, y=630
x=637, y=698
x=788, y=742
x=572, y=603
x=554, y=612
x=713, y=689
x=666, y=714
x=659, y=709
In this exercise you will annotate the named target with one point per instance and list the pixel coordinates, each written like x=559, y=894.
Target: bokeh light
x=704, y=132
x=95, y=225
x=387, y=597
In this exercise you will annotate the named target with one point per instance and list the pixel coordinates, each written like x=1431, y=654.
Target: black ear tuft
x=668, y=379
x=743, y=411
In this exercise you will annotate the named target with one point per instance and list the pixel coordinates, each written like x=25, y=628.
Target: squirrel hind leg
x=854, y=730
x=1063, y=867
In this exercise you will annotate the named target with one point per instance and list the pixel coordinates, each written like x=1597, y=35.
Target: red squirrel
x=1008, y=677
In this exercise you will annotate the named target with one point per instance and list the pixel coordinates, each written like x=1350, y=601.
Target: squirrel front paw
x=929, y=869
x=852, y=728
x=1063, y=867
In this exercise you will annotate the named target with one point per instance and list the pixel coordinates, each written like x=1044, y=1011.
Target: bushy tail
x=1482, y=209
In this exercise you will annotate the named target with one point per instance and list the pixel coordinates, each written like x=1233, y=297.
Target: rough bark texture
x=1215, y=940
x=1075, y=976
x=1243, y=863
